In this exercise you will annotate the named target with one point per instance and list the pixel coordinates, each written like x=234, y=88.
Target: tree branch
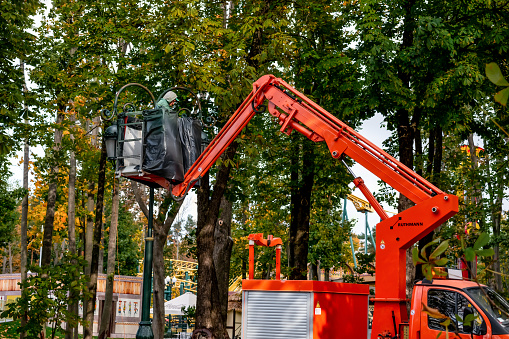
x=138, y=195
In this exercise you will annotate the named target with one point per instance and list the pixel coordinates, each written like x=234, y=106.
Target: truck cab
x=456, y=299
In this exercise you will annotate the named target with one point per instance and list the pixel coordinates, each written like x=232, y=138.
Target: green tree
x=498, y=173
x=129, y=242
x=16, y=19
x=10, y=199
x=423, y=64
x=324, y=70
x=46, y=298
x=327, y=240
x=79, y=63
x=284, y=171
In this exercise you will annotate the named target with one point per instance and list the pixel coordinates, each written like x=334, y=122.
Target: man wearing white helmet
x=171, y=97
x=163, y=155
x=168, y=100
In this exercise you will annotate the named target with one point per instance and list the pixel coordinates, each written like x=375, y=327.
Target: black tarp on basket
x=190, y=137
x=162, y=152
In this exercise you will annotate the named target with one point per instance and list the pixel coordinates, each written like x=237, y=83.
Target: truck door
x=452, y=304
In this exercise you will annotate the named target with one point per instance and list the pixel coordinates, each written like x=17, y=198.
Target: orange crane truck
x=334, y=311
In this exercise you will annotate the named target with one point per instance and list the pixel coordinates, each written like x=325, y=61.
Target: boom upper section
x=297, y=112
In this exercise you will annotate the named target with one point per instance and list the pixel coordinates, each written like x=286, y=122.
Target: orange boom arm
x=394, y=235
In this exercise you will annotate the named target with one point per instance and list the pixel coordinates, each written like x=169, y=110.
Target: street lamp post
x=145, y=328
x=167, y=288
x=169, y=282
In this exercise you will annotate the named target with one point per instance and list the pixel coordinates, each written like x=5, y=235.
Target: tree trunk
x=90, y=204
x=47, y=238
x=405, y=141
x=477, y=193
x=110, y=268
x=71, y=221
x=10, y=258
x=83, y=223
x=207, y=278
x=476, y=197
x=301, y=208
x=405, y=138
x=222, y=253
x=294, y=181
x=100, y=268
x=48, y=225
x=89, y=228
x=406, y=128
x=161, y=231
x=24, y=209
x=71, y=205
x=496, y=246
x=245, y=254
x=496, y=258
x=92, y=284
x=433, y=171
x=313, y=272
x=56, y=256
x=158, y=283
x=209, y=303
x=496, y=217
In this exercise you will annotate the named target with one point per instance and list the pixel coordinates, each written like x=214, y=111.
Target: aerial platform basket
x=153, y=146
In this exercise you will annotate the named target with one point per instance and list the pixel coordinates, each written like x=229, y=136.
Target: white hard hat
x=170, y=96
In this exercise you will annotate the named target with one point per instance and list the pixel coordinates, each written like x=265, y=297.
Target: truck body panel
x=315, y=309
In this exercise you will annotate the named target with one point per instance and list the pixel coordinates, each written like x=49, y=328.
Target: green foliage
x=431, y=263
x=17, y=43
x=10, y=200
x=46, y=295
x=494, y=73
x=364, y=266
x=9, y=330
x=328, y=238
x=424, y=64
x=129, y=252
x=185, y=235
x=476, y=250
x=189, y=313
x=365, y=263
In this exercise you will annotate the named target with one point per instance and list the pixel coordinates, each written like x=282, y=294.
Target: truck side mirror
x=468, y=320
x=484, y=328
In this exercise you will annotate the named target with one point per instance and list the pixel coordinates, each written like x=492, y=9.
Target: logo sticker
x=382, y=245
x=410, y=224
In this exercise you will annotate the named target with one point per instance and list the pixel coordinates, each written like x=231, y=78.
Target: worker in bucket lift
x=168, y=101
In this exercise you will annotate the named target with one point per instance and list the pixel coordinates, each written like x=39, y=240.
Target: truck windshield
x=492, y=303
